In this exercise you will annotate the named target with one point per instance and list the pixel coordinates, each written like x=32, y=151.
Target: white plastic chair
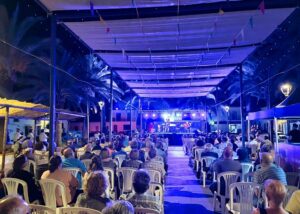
x=87, y=163
x=207, y=162
x=157, y=165
x=120, y=159
x=242, y=203
x=41, y=157
x=11, y=186
x=159, y=158
x=39, y=209
x=125, y=174
x=96, y=152
x=73, y=170
x=228, y=178
x=246, y=168
x=79, y=153
x=49, y=188
x=139, y=210
x=111, y=181
x=198, y=152
x=76, y=210
x=31, y=165
x=156, y=189
x=155, y=176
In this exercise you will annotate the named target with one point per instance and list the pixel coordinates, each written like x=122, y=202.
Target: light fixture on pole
x=101, y=105
x=227, y=108
x=286, y=89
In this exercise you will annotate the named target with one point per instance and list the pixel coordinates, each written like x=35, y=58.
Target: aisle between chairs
x=183, y=193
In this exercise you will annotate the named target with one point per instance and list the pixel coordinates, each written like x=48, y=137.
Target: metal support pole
x=130, y=116
x=242, y=105
x=88, y=120
x=34, y=132
x=111, y=106
x=141, y=116
x=248, y=128
x=4, y=138
x=52, y=86
x=276, y=135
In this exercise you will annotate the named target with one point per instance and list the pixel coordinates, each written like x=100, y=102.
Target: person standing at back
x=294, y=134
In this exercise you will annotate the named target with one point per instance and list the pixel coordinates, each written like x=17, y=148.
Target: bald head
x=267, y=158
x=68, y=153
x=228, y=153
x=13, y=205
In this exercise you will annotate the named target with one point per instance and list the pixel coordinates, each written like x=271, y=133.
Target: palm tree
x=12, y=39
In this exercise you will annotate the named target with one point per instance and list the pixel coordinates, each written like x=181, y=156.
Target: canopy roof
x=171, y=56
x=292, y=111
x=19, y=109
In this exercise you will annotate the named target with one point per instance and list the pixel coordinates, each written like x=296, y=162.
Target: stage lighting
x=153, y=115
x=146, y=115
x=185, y=115
x=203, y=114
x=194, y=115
x=178, y=115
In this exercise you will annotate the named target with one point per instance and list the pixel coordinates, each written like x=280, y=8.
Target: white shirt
x=43, y=137
x=16, y=136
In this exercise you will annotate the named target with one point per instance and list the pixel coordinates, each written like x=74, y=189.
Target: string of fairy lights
x=261, y=7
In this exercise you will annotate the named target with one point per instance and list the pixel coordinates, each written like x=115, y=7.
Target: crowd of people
x=229, y=155
x=90, y=188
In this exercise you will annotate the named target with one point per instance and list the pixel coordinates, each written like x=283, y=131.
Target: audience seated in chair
x=119, y=150
x=149, y=164
x=133, y=162
x=209, y=151
x=269, y=170
x=13, y=204
x=275, y=192
x=224, y=165
x=119, y=207
x=18, y=172
x=57, y=173
x=140, y=183
x=293, y=205
x=71, y=161
x=106, y=159
x=243, y=155
x=94, y=188
x=87, y=152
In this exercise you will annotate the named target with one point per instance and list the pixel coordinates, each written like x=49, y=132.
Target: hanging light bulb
x=286, y=89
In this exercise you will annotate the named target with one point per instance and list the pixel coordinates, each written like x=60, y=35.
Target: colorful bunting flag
x=242, y=34
x=221, y=12
x=262, y=7
x=115, y=40
x=251, y=22
x=107, y=30
x=178, y=28
x=229, y=51
x=123, y=53
x=92, y=8
x=102, y=20
x=234, y=42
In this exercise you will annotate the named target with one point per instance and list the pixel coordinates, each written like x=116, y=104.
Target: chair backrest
x=246, y=168
x=245, y=193
x=138, y=210
x=125, y=174
x=49, y=188
x=96, y=152
x=289, y=193
x=207, y=162
x=198, y=152
x=39, y=209
x=76, y=210
x=87, y=163
x=157, y=165
x=159, y=158
x=11, y=186
x=41, y=157
x=156, y=189
x=155, y=175
x=293, y=178
x=73, y=170
x=120, y=159
x=79, y=153
x=111, y=177
x=228, y=178
x=31, y=167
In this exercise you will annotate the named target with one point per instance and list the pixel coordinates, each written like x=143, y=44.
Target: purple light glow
x=194, y=115
x=146, y=115
x=153, y=115
x=203, y=114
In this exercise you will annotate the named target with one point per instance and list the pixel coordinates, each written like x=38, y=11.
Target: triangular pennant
x=234, y=42
x=215, y=24
x=127, y=58
x=251, y=22
x=229, y=51
x=123, y=53
x=92, y=8
x=178, y=28
x=262, y=7
x=101, y=20
x=221, y=12
x=115, y=40
x=107, y=30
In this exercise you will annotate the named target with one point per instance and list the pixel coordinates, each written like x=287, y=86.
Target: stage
x=175, y=139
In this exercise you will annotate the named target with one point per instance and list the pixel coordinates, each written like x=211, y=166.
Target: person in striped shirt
x=269, y=170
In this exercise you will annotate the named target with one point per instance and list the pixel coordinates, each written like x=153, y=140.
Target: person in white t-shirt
x=43, y=137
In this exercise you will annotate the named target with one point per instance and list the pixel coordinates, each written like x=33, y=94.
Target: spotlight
x=178, y=115
x=185, y=115
x=286, y=89
x=227, y=108
x=203, y=114
x=194, y=115
x=153, y=115
x=146, y=115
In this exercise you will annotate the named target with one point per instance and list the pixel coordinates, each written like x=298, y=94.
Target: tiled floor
x=183, y=193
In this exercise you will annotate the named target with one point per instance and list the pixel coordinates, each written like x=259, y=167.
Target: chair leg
x=204, y=179
x=214, y=201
